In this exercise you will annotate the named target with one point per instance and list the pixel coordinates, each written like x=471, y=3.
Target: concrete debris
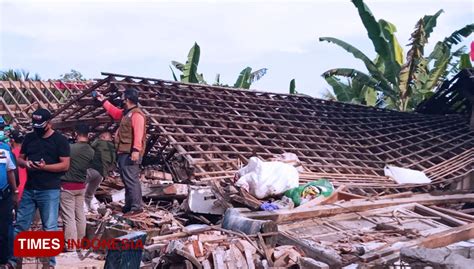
x=202, y=200
x=436, y=258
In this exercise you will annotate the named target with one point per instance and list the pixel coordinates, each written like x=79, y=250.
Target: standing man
x=8, y=201
x=73, y=185
x=104, y=160
x=45, y=154
x=130, y=142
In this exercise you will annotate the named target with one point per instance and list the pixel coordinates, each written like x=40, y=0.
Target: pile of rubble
x=222, y=225
x=353, y=185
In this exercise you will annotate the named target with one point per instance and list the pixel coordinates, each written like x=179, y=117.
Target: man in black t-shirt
x=45, y=153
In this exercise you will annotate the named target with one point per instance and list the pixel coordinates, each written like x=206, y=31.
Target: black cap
x=131, y=94
x=41, y=117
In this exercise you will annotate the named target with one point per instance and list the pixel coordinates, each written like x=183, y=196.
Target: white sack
x=406, y=176
x=263, y=179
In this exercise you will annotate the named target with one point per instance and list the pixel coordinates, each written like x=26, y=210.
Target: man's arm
x=12, y=180
x=21, y=161
x=61, y=166
x=114, y=112
x=138, y=126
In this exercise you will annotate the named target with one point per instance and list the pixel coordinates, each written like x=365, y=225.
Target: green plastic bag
x=321, y=186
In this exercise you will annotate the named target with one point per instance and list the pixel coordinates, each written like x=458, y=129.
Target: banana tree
x=402, y=84
x=247, y=77
x=189, y=69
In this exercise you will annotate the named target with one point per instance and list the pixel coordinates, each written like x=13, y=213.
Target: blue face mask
x=2, y=135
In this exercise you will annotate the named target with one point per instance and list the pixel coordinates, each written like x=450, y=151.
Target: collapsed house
x=199, y=136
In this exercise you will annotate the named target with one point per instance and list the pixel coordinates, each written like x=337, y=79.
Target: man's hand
x=135, y=156
x=39, y=165
x=100, y=97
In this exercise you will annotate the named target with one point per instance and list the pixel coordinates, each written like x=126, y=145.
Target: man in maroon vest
x=130, y=143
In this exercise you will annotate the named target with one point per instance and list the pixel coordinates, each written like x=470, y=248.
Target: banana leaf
x=429, y=22
x=257, y=75
x=465, y=61
x=360, y=77
x=397, y=51
x=174, y=75
x=178, y=65
x=379, y=41
x=293, y=87
x=190, y=68
x=342, y=92
x=243, y=79
x=413, y=66
x=369, y=64
x=439, y=69
x=457, y=36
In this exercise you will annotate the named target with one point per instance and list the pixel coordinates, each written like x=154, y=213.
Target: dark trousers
x=130, y=173
x=6, y=219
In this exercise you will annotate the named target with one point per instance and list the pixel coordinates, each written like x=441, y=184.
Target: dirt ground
x=67, y=261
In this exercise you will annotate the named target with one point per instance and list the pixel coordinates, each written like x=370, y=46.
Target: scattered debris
x=219, y=161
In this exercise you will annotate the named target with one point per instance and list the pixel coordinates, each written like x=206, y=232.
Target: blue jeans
x=47, y=201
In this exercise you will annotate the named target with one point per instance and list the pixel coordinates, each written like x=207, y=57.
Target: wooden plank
x=445, y=219
x=314, y=251
x=458, y=214
x=462, y=233
x=441, y=239
x=218, y=257
x=248, y=251
x=355, y=206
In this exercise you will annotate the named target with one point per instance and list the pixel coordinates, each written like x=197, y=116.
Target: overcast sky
x=142, y=37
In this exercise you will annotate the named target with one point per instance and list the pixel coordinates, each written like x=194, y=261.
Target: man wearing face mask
x=130, y=143
x=45, y=154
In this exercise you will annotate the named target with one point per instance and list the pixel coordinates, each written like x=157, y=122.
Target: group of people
x=42, y=171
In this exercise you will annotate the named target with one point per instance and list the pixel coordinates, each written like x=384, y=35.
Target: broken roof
x=18, y=99
x=206, y=132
